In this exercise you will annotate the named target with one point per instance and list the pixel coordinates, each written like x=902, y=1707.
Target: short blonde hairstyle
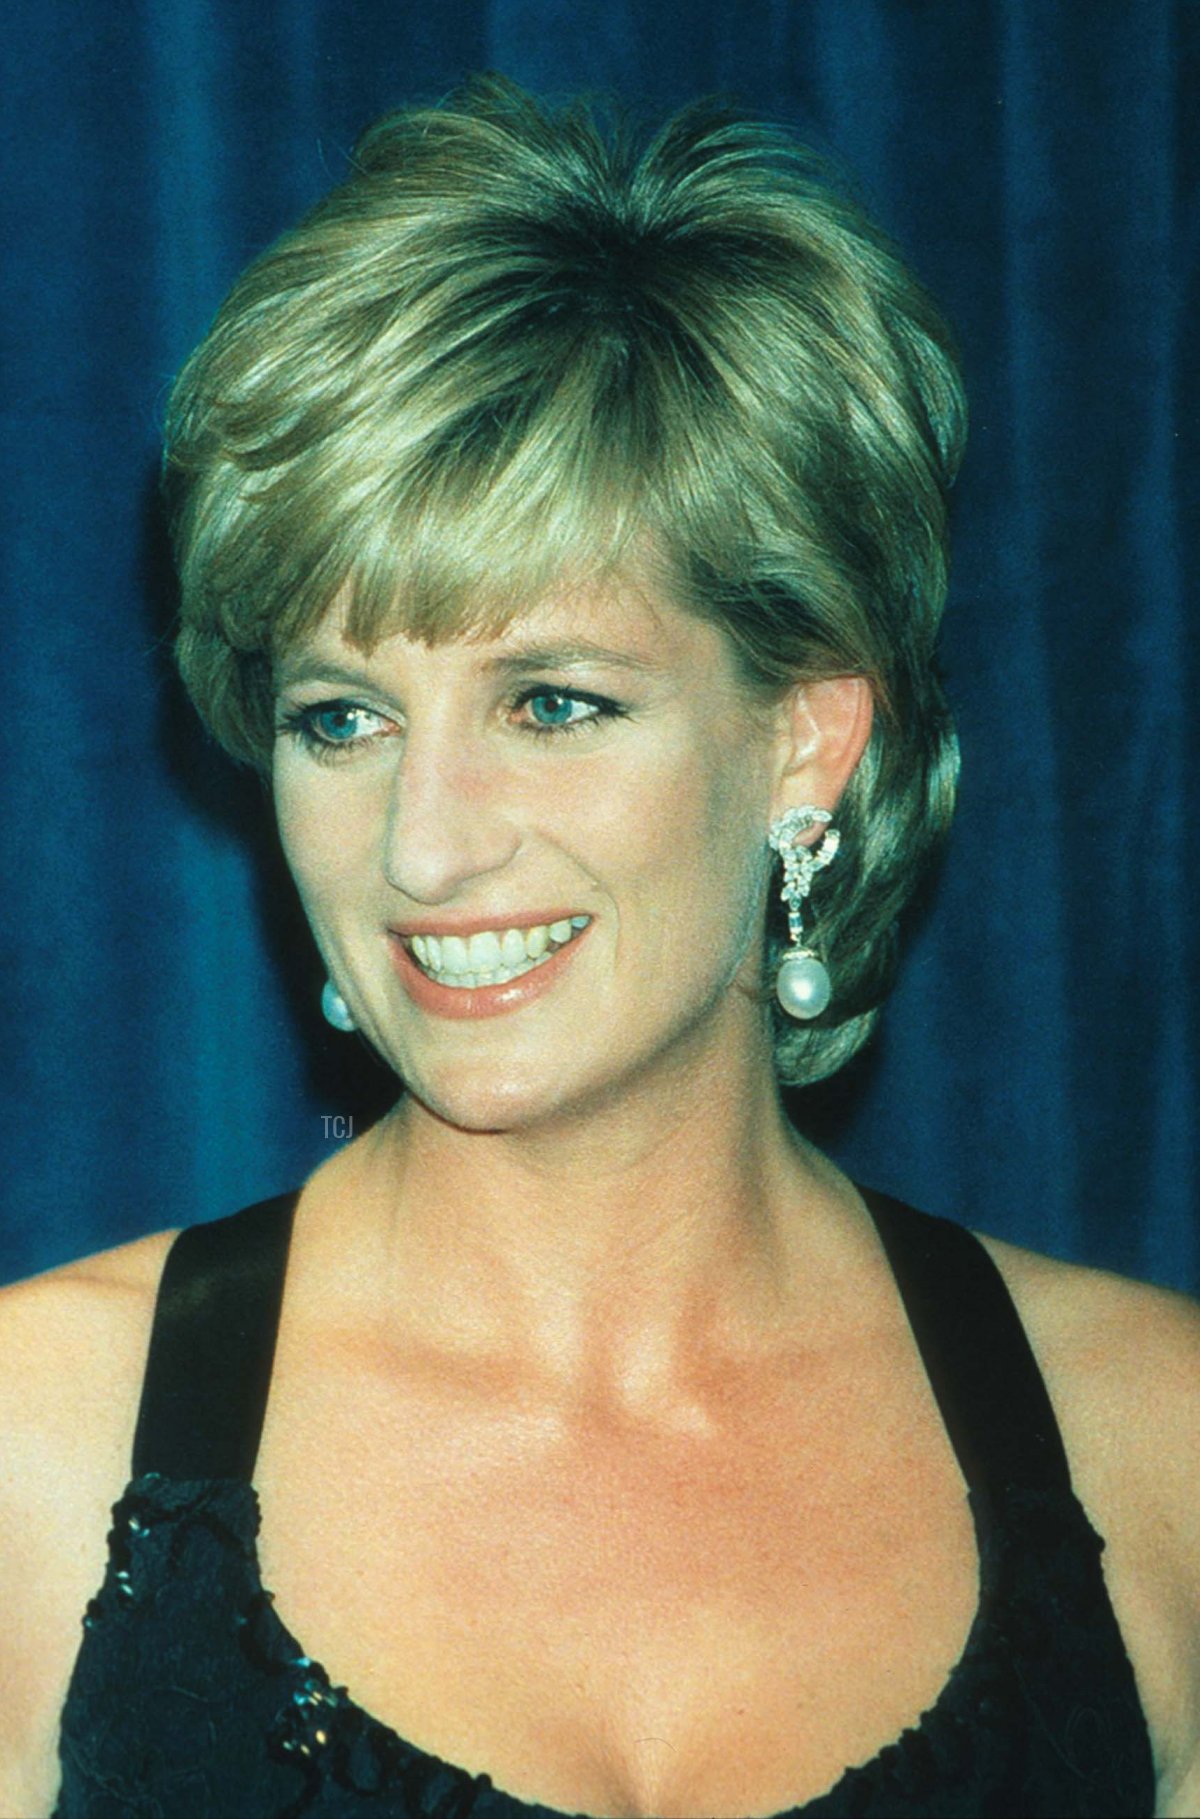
x=517, y=344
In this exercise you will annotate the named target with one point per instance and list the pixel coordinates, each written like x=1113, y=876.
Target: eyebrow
x=569, y=656
x=312, y=667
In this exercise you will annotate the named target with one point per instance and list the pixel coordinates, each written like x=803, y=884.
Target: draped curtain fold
x=1037, y=1073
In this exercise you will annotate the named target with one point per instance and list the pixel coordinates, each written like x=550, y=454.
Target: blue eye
x=327, y=728
x=560, y=710
x=330, y=730
x=553, y=709
x=339, y=724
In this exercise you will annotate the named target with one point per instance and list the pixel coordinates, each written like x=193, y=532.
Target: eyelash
x=301, y=723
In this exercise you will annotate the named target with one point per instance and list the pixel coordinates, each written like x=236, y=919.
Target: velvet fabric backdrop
x=1037, y=1075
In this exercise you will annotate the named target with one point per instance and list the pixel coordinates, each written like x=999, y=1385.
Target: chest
x=615, y=1617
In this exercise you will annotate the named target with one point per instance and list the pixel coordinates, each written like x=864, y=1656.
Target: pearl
x=802, y=985
x=335, y=1008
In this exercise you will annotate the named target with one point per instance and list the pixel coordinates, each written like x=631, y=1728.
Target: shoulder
x=1121, y=1361
x=72, y=1352
x=1092, y=1318
x=104, y=1278
x=70, y=1338
x=69, y=1335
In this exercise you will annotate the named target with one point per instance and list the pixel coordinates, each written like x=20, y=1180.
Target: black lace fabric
x=190, y=1699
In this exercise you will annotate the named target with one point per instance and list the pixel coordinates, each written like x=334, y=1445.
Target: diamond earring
x=802, y=983
x=335, y=1008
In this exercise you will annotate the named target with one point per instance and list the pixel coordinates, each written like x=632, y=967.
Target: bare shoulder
x=72, y=1353
x=1110, y=1341
x=102, y=1280
x=1121, y=1360
x=70, y=1340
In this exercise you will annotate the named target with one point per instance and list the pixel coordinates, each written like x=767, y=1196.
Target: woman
x=561, y=526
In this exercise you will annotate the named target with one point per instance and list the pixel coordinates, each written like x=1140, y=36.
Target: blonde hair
x=517, y=344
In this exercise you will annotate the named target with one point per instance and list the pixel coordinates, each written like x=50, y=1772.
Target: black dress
x=190, y=1699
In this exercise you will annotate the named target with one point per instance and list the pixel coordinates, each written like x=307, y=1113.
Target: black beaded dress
x=190, y=1698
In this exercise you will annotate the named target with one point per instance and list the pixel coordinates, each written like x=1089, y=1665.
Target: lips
x=447, y=974
x=491, y=956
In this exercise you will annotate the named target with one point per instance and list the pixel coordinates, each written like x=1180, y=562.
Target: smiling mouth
x=492, y=956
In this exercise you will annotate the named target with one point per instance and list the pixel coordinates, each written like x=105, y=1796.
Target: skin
x=452, y=806
x=599, y=1455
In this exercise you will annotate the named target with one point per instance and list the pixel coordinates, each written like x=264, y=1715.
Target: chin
x=487, y=1103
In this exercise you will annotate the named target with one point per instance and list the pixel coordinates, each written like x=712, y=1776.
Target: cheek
x=676, y=843
x=629, y=821
x=325, y=837
x=738, y=872
x=728, y=856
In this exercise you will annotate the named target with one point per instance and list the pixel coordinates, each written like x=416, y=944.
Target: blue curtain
x=1037, y=1075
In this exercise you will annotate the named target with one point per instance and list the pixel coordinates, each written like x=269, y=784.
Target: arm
x=36, y=1497
x=1171, y=1418
x=72, y=1348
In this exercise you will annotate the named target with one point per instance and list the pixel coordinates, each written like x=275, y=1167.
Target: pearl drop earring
x=802, y=983
x=335, y=1008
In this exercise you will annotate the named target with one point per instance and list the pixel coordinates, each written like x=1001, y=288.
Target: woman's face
x=535, y=864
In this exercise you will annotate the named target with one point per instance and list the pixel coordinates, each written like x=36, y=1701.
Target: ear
x=823, y=732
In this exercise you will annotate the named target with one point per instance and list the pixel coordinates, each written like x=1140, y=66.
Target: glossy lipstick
x=457, y=1002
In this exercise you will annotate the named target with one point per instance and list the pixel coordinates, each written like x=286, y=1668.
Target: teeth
x=501, y=976
x=512, y=948
x=484, y=951
x=492, y=957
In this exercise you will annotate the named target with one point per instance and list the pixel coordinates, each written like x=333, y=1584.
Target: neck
x=612, y=1255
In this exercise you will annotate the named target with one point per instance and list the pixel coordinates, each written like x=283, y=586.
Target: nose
x=448, y=819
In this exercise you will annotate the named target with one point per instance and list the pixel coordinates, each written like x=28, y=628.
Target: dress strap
x=212, y=1345
x=980, y=1365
